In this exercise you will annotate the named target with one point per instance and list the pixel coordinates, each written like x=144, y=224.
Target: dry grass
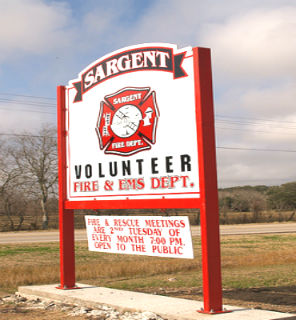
x=261, y=259
x=130, y=269
x=11, y=277
x=247, y=261
x=249, y=217
x=39, y=264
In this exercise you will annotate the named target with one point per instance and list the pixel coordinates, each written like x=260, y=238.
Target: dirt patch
x=16, y=312
x=18, y=307
x=281, y=299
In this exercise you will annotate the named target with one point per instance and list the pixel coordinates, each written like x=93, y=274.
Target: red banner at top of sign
x=138, y=59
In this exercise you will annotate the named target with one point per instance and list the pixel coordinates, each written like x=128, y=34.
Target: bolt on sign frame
x=189, y=184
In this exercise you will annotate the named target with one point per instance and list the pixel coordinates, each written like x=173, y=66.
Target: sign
x=142, y=235
x=136, y=130
x=131, y=124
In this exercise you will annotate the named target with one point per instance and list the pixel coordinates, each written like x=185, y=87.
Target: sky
x=46, y=43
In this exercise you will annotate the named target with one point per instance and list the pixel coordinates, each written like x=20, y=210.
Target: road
x=52, y=236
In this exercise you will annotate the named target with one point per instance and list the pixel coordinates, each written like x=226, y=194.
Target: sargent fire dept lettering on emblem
x=127, y=121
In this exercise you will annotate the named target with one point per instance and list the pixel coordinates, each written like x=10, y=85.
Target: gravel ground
x=19, y=306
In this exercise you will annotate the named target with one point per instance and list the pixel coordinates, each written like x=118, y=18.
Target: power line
x=26, y=96
x=217, y=115
x=33, y=103
x=26, y=135
x=52, y=105
x=218, y=147
x=253, y=124
x=27, y=110
x=261, y=131
x=250, y=118
x=224, y=183
x=255, y=149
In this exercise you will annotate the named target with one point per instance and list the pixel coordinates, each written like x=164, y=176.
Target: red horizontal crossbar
x=134, y=204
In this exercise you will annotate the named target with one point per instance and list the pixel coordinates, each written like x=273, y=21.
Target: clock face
x=126, y=121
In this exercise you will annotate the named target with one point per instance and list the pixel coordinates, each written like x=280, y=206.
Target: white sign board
x=131, y=126
x=142, y=235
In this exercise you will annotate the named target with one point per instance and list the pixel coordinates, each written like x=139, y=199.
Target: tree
x=225, y=205
x=36, y=158
x=241, y=201
x=257, y=202
x=12, y=202
x=283, y=197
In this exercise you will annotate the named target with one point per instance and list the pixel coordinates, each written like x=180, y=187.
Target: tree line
x=29, y=189
x=263, y=203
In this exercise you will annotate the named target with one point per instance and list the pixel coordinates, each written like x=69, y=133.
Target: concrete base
x=166, y=307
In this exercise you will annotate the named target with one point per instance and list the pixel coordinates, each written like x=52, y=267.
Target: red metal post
x=209, y=210
x=66, y=216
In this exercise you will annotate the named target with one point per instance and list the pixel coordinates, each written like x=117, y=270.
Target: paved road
x=51, y=236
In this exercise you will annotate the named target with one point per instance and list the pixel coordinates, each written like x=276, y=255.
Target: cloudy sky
x=45, y=43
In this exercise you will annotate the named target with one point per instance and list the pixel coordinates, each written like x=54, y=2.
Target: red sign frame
x=207, y=203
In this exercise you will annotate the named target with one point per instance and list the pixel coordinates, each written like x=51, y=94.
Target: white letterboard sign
x=131, y=126
x=142, y=235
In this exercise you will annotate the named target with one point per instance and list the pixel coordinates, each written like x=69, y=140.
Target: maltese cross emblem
x=128, y=121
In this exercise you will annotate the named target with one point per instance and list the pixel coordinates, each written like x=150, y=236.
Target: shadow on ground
x=282, y=299
x=281, y=296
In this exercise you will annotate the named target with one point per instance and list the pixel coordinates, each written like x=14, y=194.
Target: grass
x=10, y=251
x=247, y=261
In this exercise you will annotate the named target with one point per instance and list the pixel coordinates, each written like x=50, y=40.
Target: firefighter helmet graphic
x=127, y=121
